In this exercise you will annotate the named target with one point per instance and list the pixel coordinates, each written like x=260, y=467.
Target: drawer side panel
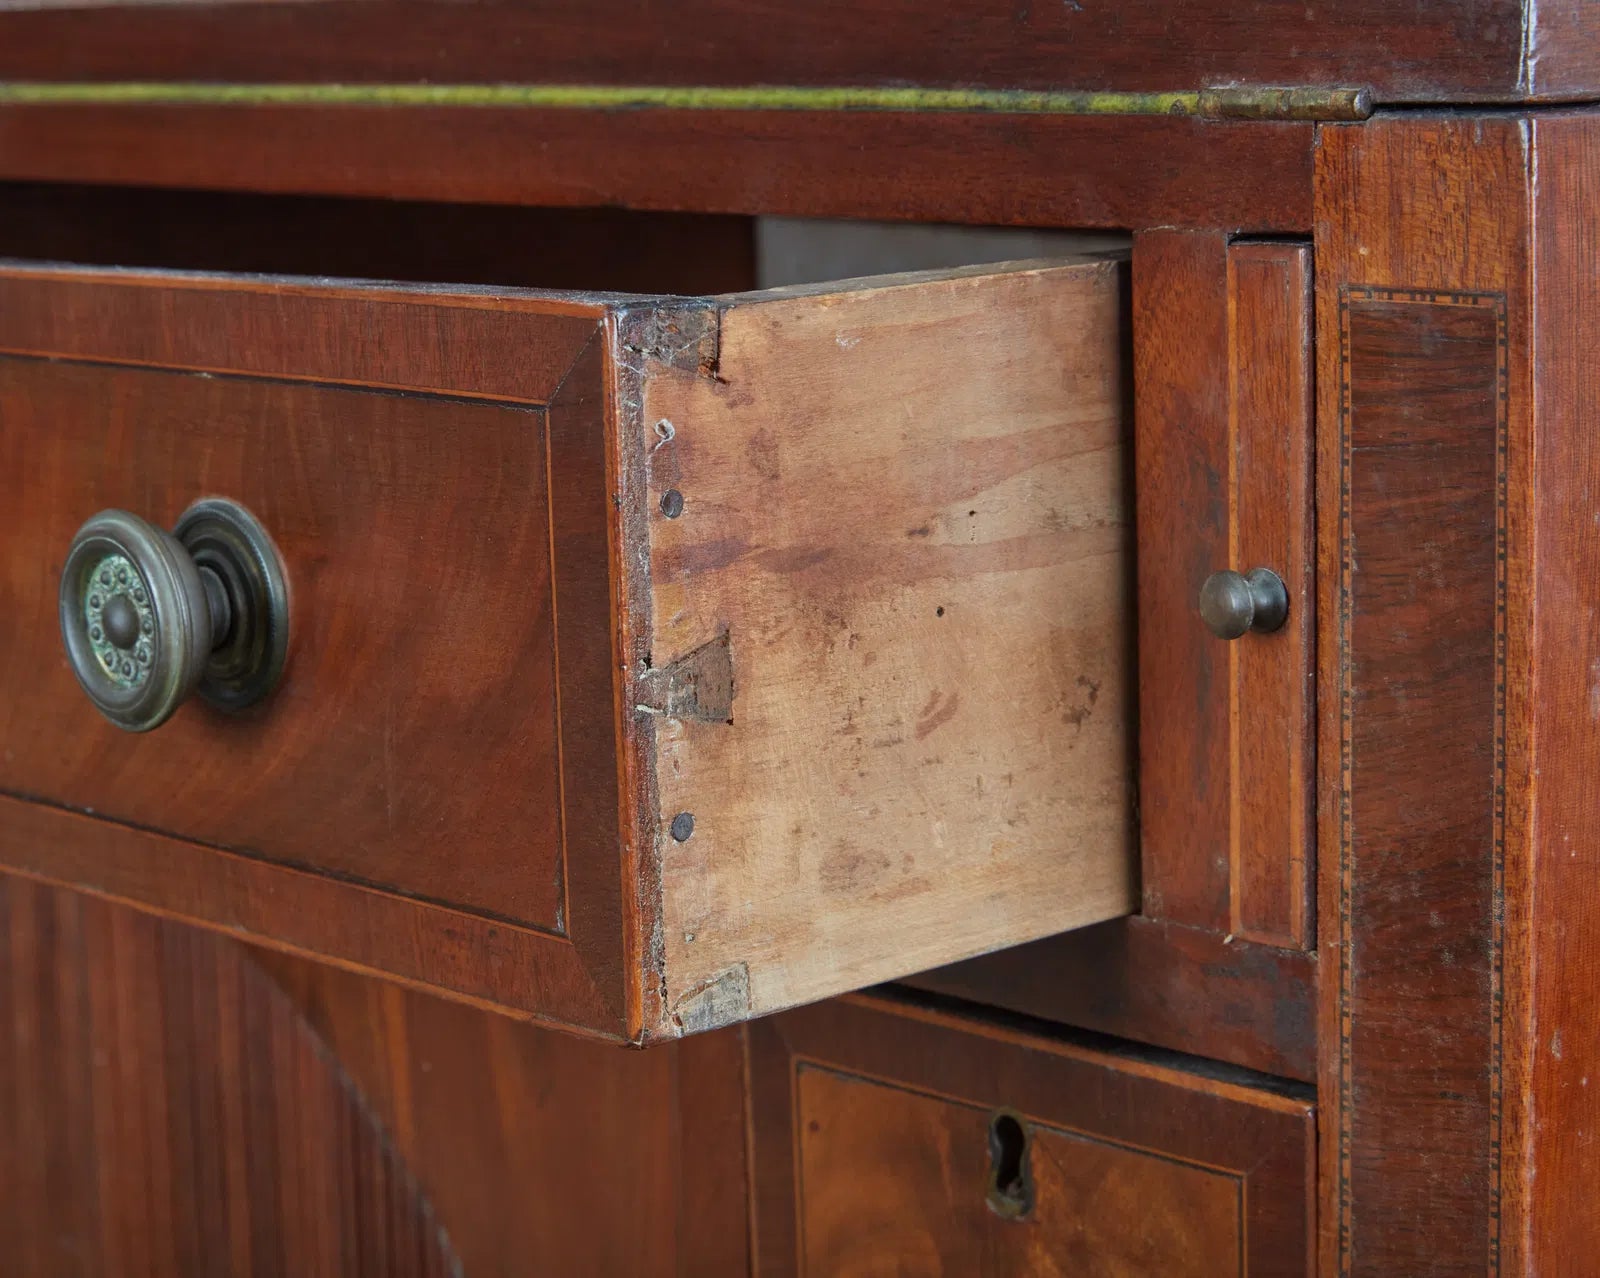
x=899, y=586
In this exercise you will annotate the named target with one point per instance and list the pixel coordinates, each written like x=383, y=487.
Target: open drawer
x=652, y=663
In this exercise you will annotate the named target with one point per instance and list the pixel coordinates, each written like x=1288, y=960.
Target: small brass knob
x=1231, y=604
x=149, y=617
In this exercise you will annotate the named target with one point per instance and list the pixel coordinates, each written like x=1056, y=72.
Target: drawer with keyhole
x=893, y=1139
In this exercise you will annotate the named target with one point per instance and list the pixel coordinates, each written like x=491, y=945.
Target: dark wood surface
x=1222, y=411
x=1460, y=1109
x=929, y=166
x=393, y=742
x=1562, y=58
x=879, y=1162
x=1425, y=291
x=1425, y=51
x=485, y=343
x=541, y=1153
x=165, y=1110
x=1459, y=318
x=1180, y=347
x=1553, y=1043
x=475, y=959
x=354, y=768
x=1172, y=986
x=870, y=1129
x=588, y=249
x=1271, y=677
x=174, y=1103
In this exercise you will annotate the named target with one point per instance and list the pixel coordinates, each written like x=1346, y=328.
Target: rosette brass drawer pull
x=149, y=617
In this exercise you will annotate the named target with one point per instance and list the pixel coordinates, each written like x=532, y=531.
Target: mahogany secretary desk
x=1168, y=677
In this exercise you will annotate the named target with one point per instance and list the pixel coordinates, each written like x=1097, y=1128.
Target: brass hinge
x=1255, y=103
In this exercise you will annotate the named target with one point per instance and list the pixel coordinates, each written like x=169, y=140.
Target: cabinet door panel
x=1224, y=429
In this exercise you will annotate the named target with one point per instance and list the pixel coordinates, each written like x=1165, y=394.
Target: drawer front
x=891, y=1140
x=400, y=801
x=652, y=664
x=413, y=743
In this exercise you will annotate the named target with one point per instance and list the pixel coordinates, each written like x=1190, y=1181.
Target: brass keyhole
x=1010, y=1181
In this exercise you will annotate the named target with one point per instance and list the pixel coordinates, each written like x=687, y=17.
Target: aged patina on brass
x=1222, y=102
x=1232, y=604
x=148, y=616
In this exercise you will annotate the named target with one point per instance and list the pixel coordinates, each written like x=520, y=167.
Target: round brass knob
x=149, y=617
x=1231, y=604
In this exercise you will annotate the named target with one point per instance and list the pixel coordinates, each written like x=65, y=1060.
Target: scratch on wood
x=937, y=712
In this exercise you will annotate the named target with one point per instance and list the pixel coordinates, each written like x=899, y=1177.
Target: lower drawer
x=891, y=1140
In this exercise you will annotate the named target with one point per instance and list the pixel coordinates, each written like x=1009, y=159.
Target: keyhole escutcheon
x=1010, y=1180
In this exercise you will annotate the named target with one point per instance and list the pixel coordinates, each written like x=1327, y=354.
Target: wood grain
x=1404, y=438
x=1425, y=51
x=1424, y=340
x=353, y=768
x=1555, y=1046
x=465, y=955
x=1561, y=55
x=1178, y=987
x=543, y=1153
x=904, y=509
x=1180, y=353
x=977, y=168
x=163, y=1109
x=1272, y=693
x=870, y=1128
x=1221, y=349
x=174, y=1103
x=1102, y=1208
x=487, y=342
x=1221, y=360
x=393, y=753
